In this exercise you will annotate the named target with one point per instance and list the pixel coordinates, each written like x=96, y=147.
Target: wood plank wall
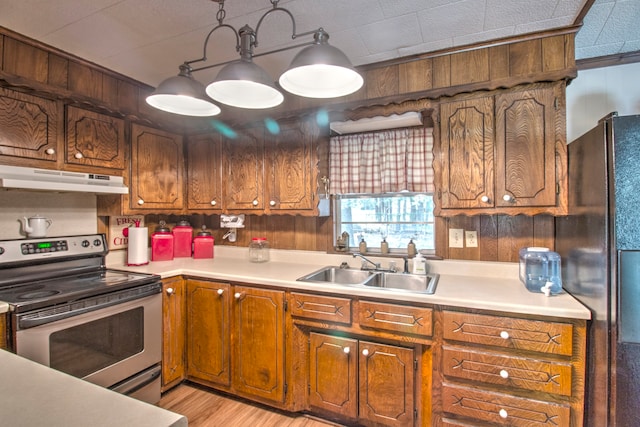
x=30, y=65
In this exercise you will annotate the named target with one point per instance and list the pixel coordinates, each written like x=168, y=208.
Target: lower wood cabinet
x=3, y=331
x=173, y=327
x=511, y=371
x=362, y=381
x=238, y=323
x=258, y=343
x=208, y=331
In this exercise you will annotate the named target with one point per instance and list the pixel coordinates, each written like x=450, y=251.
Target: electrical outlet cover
x=471, y=239
x=456, y=238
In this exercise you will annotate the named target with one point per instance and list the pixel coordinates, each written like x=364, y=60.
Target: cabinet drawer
x=318, y=307
x=504, y=410
x=521, y=334
x=518, y=372
x=399, y=318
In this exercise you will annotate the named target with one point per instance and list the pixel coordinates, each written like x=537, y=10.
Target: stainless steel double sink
x=423, y=283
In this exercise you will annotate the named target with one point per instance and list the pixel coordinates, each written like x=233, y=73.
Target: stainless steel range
x=69, y=312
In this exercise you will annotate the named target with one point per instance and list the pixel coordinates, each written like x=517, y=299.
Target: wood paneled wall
x=40, y=69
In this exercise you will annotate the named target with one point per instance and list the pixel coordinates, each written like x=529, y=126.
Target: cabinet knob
x=213, y=203
x=220, y=291
x=140, y=202
x=346, y=350
x=504, y=374
x=503, y=413
x=237, y=295
x=484, y=199
x=78, y=155
x=50, y=151
x=169, y=291
x=254, y=203
x=272, y=203
x=365, y=352
x=507, y=198
x=504, y=335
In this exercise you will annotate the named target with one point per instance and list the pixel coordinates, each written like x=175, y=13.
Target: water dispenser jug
x=540, y=270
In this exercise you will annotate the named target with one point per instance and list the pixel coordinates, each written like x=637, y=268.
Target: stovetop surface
x=49, y=292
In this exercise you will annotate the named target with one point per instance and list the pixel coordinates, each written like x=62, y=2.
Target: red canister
x=183, y=236
x=203, y=244
x=162, y=243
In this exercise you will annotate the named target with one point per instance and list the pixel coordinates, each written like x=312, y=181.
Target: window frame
x=337, y=222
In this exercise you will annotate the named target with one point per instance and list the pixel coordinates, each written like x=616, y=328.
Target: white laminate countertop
x=465, y=284
x=35, y=395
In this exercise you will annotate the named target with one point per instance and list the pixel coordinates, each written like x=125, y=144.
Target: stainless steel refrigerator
x=599, y=242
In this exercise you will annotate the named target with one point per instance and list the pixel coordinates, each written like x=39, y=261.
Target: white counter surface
x=35, y=395
x=465, y=284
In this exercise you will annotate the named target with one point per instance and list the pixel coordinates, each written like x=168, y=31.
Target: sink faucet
x=376, y=265
x=406, y=265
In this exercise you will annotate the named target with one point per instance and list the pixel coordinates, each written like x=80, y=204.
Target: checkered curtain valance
x=382, y=162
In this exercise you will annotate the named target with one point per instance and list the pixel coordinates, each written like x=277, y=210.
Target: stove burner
x=38, y=294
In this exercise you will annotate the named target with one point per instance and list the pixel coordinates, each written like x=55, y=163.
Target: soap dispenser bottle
x=419, y=264
x=362, y=247
x=411, y=248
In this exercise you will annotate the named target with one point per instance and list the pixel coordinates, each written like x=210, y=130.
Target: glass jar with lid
x=259, y=249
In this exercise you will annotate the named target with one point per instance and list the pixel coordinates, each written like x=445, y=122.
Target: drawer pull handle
x=169, y=291
x=508, y=198
x=254, y=203
x=50, y=151
x=365, y=352
x=220, y=291
x=140, y=202
x=237, y=295
x=503, y=413
x=272, y=203
x=504, y=335
x=78, y=155
x=346, y=350
x=484, y=199
x=213, y=203
x=504, y=373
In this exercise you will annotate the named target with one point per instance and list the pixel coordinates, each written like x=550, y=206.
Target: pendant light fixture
x=318, y=71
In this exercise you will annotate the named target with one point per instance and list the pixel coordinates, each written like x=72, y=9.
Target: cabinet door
x=243, y=169
x=291, y=171
x=259, y=343
x=173, y=332
x=466, y=154
x=525, y=148
x=386, y=388
x=208, y=331
x=29, y=128
x=204, y=173
x=156, y=179
x=94, y=139
x=333, y=375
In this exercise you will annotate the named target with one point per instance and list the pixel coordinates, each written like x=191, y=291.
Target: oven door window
x=90, y=347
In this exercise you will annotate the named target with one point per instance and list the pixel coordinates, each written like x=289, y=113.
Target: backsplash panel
x=71, y=213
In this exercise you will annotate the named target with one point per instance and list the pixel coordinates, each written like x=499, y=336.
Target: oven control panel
x=52, y=247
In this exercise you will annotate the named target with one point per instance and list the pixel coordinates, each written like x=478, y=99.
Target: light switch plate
x=456, y=238
x=471, y=239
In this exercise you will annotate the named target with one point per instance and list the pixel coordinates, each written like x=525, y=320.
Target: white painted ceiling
x=148, y=39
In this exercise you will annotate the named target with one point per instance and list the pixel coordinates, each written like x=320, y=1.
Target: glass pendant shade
x=244, y=84
x=184, y=95
x=321, y=71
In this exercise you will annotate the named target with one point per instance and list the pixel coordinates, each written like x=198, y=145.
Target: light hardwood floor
x=204, y=408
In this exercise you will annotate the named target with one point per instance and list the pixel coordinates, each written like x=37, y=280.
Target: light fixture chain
x=221, y=14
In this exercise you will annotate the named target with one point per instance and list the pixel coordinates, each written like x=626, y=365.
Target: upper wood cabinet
x=243, y=169
x=156, y=179
x=94, y=139
x=30, y=130
x=291, y=167
x=266, y=170
x=204, y=172
x=503, y=153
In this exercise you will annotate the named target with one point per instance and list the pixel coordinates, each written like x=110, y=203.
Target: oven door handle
x=30, y=320
x=141, y=380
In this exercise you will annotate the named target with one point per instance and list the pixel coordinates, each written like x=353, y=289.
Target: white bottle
x=419, y=264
